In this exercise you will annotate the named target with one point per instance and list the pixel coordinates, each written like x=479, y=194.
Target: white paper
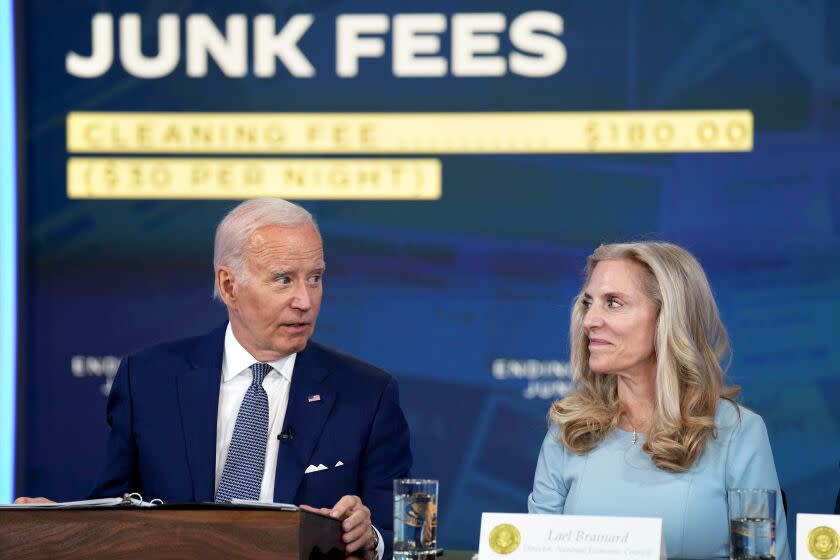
x=571, y=537
x=811, y=526
x=100, y=502
x=268, y=505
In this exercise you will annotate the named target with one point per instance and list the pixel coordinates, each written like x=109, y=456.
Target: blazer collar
x=305, y=419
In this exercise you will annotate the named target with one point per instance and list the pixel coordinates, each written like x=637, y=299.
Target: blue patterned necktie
x=243, y=472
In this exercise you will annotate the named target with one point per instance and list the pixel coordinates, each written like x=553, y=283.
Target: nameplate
x=511, y=536
x=817, y=536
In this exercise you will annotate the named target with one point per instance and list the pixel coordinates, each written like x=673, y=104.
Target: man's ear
x=226, y=282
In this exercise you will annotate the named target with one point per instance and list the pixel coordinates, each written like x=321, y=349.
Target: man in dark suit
x=254, y=410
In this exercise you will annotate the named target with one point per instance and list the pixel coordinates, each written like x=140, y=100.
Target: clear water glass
x=415, y=518
x=752, y=524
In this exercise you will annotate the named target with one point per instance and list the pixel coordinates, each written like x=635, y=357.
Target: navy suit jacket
x=162, y=412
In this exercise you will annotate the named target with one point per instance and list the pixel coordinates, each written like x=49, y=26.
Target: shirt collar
x=236, y=360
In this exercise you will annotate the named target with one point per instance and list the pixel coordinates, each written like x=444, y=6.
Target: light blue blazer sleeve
x=550, y=488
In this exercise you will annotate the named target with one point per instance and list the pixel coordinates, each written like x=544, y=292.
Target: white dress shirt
x=236, y=378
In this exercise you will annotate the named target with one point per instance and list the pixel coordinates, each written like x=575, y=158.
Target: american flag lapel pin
x=313, y=398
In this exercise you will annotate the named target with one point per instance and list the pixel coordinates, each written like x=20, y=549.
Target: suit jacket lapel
x=198, y=398
x=305, y=420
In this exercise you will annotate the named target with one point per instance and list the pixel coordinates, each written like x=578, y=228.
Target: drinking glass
x=415, y=518
x=752, y=524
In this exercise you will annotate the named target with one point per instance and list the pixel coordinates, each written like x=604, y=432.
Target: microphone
x=287, y=435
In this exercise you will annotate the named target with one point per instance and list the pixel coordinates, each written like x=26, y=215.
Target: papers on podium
x=136, y=500
x=268, y=505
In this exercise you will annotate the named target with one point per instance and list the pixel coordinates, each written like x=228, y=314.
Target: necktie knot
x=259, y=370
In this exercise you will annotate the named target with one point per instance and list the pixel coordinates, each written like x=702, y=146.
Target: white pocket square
x=339, y=464
x=313, y=468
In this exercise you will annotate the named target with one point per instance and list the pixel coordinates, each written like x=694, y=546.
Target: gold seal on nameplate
x=823, y=543
x=504, y=538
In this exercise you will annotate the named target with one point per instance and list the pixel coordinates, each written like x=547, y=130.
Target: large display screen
x=462, y=160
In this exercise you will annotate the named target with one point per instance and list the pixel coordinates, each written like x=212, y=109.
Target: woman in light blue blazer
x=650, y=428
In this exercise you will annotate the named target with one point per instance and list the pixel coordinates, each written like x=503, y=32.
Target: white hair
x=236, y=228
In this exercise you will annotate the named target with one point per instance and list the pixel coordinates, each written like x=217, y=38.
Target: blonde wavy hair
x=691, y=346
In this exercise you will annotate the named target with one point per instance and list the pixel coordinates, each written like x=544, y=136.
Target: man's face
x=273, y=311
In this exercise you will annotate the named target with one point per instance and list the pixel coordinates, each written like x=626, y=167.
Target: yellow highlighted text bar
x=404, y=133
x=234, y=178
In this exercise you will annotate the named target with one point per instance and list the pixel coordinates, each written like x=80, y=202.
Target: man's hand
x=25, y=500
x=355, y=516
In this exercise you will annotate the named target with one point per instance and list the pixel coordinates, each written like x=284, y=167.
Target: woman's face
x=619, y=319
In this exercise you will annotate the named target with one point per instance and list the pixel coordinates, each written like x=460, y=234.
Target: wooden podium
x=170, y=532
